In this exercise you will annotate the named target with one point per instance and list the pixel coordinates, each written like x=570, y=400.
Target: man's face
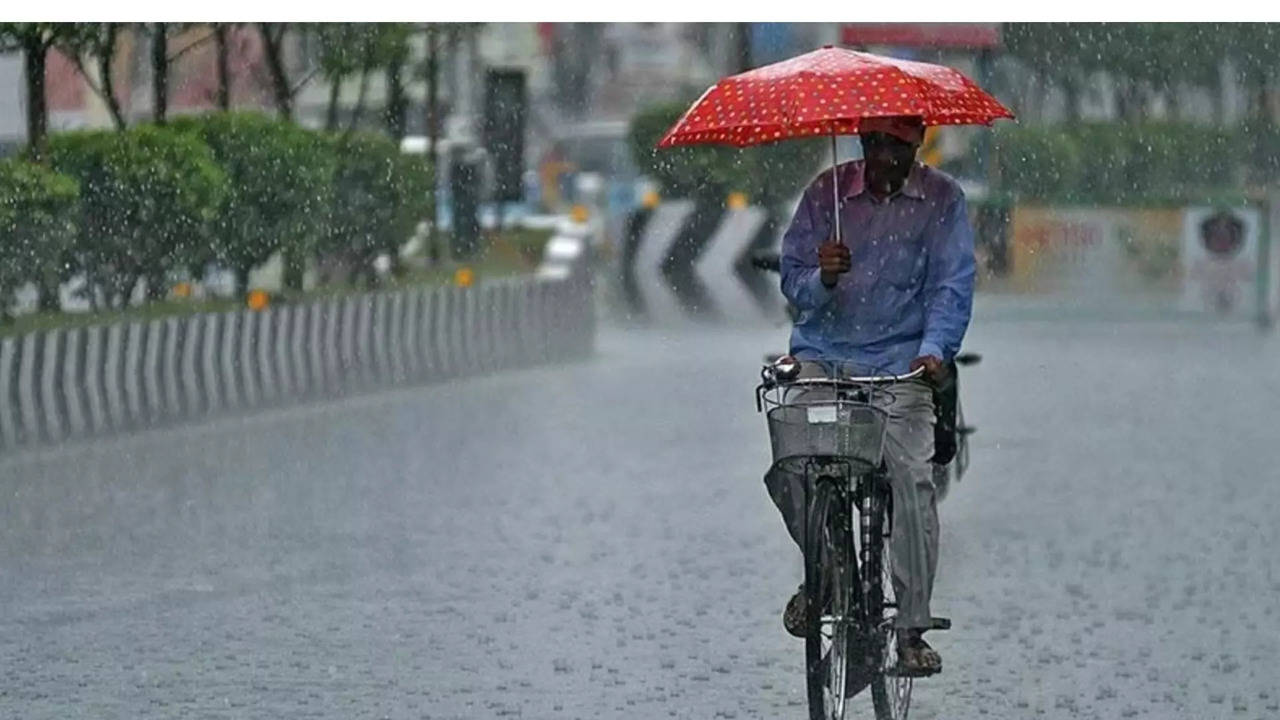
x=888, y=160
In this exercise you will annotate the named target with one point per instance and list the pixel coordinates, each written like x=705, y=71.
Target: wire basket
x=852, y=431
x=826, y=418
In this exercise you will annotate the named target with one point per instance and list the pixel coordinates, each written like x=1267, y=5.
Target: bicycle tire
x=890, y=694
x=830, y=570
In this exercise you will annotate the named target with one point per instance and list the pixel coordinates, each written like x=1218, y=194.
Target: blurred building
x=12, y=116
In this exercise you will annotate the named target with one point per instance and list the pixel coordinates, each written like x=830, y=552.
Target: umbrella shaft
x=835, y=189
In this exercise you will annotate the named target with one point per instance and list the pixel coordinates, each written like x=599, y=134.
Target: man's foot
x=915, y=657
x=794, y=617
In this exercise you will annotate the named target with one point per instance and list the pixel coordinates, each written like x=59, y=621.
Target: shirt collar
x=855, y=184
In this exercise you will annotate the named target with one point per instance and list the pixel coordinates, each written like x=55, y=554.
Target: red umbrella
x=829, y=92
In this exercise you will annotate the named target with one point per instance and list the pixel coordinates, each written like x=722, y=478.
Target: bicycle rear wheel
x=830, y=575
x=890, y=692
x=942, y=477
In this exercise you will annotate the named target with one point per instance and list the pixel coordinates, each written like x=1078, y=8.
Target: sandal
x=794, y=617
x=916, y=658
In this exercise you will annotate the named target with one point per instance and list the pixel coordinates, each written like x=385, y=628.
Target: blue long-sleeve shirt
x=910, y=289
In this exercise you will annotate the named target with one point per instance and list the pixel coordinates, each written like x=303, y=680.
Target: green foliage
x=149, y=197
x=1149, y=58
x=767, y=173
x=348, y=48
x=37, y=226
x=13, y=35
x=379, y=195
x=280, y=178
x=231, y=188
x=1122, y=163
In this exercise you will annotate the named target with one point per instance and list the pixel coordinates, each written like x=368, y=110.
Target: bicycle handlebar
x=771, y=381
x=785, y=370
x=859, y=380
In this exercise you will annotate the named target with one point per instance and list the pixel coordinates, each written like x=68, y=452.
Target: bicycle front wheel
x=890, y=692
x=831, y=572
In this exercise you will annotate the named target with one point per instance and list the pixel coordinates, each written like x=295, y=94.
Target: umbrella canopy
x=829, y=92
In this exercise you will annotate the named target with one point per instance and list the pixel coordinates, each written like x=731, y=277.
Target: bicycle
x=831, y=430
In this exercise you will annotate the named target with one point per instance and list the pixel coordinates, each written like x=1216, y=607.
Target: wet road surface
x=594, y=541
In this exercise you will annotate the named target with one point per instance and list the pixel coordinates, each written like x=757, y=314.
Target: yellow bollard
x=258, y=300
x=182, y=290
x=579, y=214
x=737, y=201
x=650, y=199
x=464, y=277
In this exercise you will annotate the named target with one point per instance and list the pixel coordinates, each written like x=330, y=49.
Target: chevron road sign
x=676, y=266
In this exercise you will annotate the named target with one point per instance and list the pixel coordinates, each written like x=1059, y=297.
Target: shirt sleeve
x=948, y=290
x=801, y=278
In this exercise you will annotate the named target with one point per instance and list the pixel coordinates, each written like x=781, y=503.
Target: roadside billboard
x=1220, y=261
x=1100, y=253
x=1201, y=260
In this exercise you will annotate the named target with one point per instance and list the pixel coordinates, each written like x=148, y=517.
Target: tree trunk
x=397, y=103
x=1126, y=100
x=1172, y=92
x=295, y=267
x=274, y=45
x=1042, y=96
x=1261, y=113
x=742, y=34
x=160, y=71
x=156, y=287
x=1219, y=106
x=433, y=134
x=242, y=280
x=1071, y=89
x=126, y=292
x=358, y=110
x=48, y=299
x=107, y=75
x=34, y=52
x=331, y=117
x=224, y=70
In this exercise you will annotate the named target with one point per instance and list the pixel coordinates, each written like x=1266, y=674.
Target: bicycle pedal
x=939, y=623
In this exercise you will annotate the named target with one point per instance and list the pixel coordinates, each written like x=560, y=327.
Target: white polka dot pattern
x=829, y=91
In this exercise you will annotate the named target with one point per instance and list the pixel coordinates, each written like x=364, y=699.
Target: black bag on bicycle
x=945, y=400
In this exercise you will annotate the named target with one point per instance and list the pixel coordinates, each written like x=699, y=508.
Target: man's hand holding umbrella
x=833, y=260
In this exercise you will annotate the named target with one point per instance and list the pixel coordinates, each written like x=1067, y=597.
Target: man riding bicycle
x=895, y=296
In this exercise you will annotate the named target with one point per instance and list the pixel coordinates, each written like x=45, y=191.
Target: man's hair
x=908, y=128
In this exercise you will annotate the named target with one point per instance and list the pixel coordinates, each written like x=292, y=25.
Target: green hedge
x=148, y=198
x=1146, y=164
x=152, y=203
x=279, y=191
x=37, y=226
x=379, y=195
